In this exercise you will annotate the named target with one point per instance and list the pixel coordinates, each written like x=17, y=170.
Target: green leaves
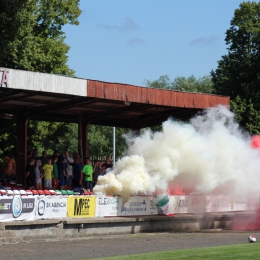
x=31, y=34
x=238, y=72
x=190, y=84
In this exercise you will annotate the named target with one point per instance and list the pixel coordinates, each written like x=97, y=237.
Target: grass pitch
x=241, y=251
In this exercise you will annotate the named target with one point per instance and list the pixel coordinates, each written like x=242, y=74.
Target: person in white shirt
x=69, y=168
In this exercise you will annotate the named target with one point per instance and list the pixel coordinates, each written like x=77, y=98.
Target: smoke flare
x=209, y=153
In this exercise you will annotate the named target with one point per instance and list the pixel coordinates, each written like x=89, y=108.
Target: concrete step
x=6, y=233
x=7, y=237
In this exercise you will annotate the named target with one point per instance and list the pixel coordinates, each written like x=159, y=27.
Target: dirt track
x=119, y=245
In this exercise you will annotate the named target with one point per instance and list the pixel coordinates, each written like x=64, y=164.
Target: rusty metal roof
x=100, y=103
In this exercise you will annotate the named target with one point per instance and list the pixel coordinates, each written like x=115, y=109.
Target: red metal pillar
x=21, y=149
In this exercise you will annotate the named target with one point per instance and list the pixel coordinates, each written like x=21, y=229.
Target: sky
x=131, y=41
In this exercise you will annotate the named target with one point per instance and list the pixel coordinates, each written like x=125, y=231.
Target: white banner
x=17, y=208
x=108, y=206
x=178, y=204
x=152, y=205
x=196, y=203
x=136, y=205
x=51, y=207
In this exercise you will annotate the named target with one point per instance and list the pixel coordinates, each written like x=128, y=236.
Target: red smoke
x=176, y=189
x=255, y=141
x=246, y=223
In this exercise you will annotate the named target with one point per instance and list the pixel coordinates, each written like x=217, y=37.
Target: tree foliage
x=31, y=34
x=238, y=72
x=189, y=84
x=100, y=141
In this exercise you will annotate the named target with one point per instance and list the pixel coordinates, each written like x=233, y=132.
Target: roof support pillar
x=83, y=137
x=21, y=149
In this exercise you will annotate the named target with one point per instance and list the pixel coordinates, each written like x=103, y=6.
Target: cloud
x=128, y=25
x=205, y=41
x=135, y=41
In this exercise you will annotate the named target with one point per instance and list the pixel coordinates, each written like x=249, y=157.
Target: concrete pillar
x=21, y=149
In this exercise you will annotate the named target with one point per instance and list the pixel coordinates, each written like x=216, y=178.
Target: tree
x=163, y=82
x=31, y=34
x=189, y=84
x=238, y=72
x=101, y=141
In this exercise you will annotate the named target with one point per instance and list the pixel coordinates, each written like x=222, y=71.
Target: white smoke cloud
x=209, y=152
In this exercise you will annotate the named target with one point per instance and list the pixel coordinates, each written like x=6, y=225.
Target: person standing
x=69, y=168
x=98, y=170
x=77, y=176
x=55, y=181
x=30, y=174
x=8, y=167
x=107, y=165
x=62, y=172
x=48, y=174
x=38, y=176
x=88, y=175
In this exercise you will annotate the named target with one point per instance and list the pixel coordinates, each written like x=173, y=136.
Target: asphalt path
x=94, y=247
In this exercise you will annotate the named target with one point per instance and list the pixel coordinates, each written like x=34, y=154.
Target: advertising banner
x=239, y=203
x=136, y=205
x=178, y=204
x=153, y=207
x=197, y=203
x=51, y=207
x=81, y=206
x=108, y=206
x=17, y=208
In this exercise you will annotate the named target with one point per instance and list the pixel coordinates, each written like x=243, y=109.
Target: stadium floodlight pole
x=114, y=146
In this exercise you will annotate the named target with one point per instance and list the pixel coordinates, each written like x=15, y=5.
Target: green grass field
x=242, y=251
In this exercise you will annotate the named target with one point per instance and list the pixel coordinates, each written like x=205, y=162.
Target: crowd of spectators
x=56, y=171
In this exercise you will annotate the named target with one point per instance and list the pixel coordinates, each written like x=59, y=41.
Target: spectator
x=29, y=156
x=30, y=174
x=55, y=181
x=88, y=175
x=62, y=172
x=55, y=154
x=98, y=170
x=35, y=154
x=44, y=158
x=8, y=167
x=77, y=176
x=48, y=174
x=107, y=165
x=38, y=176
x=69, y=167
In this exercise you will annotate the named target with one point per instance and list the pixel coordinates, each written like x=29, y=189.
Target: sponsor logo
x=175, y=202
x=153, y=204
x=137, y=203
x=183, y=204
x=5, y=206
x=108, y=200
x=41, y=207
x=17, y=207
x=81, y=206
